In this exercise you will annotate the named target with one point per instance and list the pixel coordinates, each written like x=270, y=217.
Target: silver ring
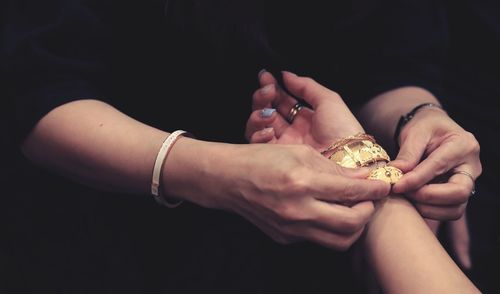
x=462, y=172
x=293, y=112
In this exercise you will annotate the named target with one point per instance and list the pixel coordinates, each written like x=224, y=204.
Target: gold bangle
x=361, y=150
x=347, y=140
x=358, y=154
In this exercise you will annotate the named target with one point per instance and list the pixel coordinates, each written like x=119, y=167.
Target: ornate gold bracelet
x=361, y=150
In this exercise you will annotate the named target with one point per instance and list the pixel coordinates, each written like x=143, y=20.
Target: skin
x=402, y=250
x=431, y=144
x=290, y=192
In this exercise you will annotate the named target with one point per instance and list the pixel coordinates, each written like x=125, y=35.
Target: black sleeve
x=54, y=52
x=404, y=44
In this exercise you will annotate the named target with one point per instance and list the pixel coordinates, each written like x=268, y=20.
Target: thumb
x=411, y=152
x=355, y=173
x=308, y=89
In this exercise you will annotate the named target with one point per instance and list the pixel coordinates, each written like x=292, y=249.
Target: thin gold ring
x=293, y=112
x=462, y=172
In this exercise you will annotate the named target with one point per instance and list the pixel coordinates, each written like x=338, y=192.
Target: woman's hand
x=435, y=153
x=329, y=119
x=433, y=146
x=291, y=192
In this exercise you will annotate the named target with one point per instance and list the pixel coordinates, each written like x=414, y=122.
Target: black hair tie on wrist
x=407, y=117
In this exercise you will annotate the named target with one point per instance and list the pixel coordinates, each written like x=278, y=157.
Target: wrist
x=381, y=114
x=406, y=118
x=195, y=172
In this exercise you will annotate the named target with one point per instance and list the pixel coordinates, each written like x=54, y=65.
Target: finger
x=264, y=97
x=270, y=93
x=341, y=219
x=339, y=189
x=460, y=241
x=442, y=213
x=455, y=192
x=259, y=120
x=263, y=136
x=357, y=173
x=411, y=151
x=266, y=78
x=439, y=162
x=309, y=90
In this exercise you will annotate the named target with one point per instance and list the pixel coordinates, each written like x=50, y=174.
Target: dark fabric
x=472, y=83
x=192, y=65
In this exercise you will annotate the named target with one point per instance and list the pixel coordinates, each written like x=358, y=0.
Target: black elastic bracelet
x=407, y=117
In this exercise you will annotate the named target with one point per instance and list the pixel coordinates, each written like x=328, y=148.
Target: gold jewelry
x=388, y=174
x=359, y=153
x=347, y=140
x=361, y=150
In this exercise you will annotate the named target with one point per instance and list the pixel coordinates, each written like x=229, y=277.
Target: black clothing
x=179, y=64
x=472, y=83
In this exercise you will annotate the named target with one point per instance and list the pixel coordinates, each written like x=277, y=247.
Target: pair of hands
x=432, y=144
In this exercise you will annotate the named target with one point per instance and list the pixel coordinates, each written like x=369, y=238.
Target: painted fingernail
x=267, y=112
x=261, y=72
x=266, y=89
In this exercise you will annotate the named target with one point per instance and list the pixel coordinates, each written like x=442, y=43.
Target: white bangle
x=160, y=159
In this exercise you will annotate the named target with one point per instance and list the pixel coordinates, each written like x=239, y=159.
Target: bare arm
x=407, y=257
x=284, y=190
x=95, y=144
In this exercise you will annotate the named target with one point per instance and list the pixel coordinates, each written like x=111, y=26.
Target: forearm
x=95, y=144
x=381, y=114
x=99, y=146
x=407, y=257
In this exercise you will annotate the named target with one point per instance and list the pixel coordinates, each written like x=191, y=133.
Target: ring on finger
x=467, y=174
x=293, y=112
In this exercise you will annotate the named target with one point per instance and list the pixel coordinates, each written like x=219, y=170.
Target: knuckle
x=421, y=197
x=353, y=223
x=441, y=166
x=479, y=168
x=474, y=146
x=296, y=181
x=351, y=192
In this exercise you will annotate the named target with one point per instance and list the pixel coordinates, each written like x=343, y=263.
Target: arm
x=110, y=150
x=403, y=251
x=407, y=257
x=432, y=145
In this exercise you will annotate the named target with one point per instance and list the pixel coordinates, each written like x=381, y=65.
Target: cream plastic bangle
x=160, y=159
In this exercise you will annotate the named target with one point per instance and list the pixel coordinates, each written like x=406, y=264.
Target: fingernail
x=266, y=89
x=261, y=72
x=267, y=112
x=266, y=131
x=289, y=72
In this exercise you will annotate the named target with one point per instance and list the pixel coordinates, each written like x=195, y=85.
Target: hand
x=293, y=193
x=433, y=146
x=329, y=120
